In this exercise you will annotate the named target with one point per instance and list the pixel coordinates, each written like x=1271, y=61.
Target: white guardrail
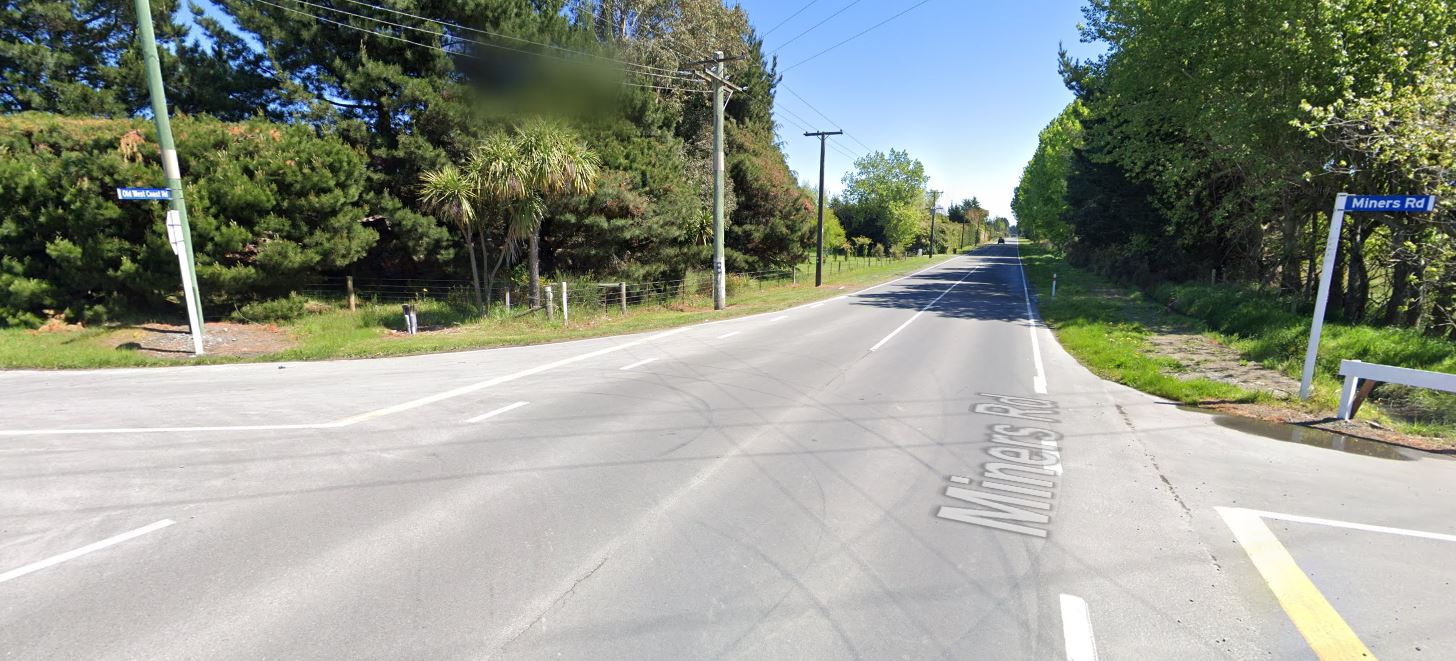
x=1361, y=378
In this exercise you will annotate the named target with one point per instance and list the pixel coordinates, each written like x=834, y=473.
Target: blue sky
x=963, y=85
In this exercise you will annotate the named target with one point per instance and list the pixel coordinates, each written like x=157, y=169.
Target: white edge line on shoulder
x=1038, y=381
x=76, y=553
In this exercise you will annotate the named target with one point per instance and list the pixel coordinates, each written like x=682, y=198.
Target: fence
x=510, y=298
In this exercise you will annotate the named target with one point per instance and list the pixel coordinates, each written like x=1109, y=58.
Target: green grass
x=1107, y=327
x=366, y=333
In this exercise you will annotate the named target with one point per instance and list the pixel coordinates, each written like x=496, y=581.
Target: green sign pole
x=169, y=162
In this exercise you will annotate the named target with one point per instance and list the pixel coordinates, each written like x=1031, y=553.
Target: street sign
x=1390, y=203
x=1346, y=203
x=143, y=194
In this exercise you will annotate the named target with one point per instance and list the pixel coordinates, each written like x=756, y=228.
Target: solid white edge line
x=496, y=412
x=95, y=546
x=1444, y=537
x=728, y=335
x=915, y=316
x=1038, y=381
x=637, y=364
x=1077, y=629
x=811, y=307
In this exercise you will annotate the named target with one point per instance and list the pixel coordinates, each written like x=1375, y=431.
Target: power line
x=411, y=42
x=816, y=25
x=793, y=115
x=790, y=90
x=790, y=18
x=502, y=36
x=856, y=36
x=442, y=35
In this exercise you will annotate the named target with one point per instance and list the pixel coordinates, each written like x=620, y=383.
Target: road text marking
x=96, y=546
x=1323, y=628
x=492, y=414
x=1077, y=629
x=639, y=363
x=915, y=316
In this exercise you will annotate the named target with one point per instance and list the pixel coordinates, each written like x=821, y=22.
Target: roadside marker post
x=1344, y=202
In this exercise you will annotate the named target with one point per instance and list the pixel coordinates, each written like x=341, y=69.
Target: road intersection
x=915, y=470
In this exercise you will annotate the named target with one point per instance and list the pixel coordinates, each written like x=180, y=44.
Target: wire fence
x=504, y=299
x=514, y=297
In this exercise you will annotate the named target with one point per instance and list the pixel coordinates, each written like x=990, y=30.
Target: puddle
x=1306, y=436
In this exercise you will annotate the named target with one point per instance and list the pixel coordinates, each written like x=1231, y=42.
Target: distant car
x=1001, y=240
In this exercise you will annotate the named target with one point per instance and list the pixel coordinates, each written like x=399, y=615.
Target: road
x=913, y=471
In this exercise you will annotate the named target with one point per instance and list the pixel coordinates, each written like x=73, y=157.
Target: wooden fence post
x=550, y=304
x=622, y=295
x=349, y=287
x=565, y=311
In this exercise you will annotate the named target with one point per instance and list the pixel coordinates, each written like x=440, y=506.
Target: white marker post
x=1355, y=203
x=179, y=248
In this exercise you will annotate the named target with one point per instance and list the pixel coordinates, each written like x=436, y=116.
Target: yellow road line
x=1323, y=628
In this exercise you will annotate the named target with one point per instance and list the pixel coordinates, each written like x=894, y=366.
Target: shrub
x=270, y=206
x=276, y=310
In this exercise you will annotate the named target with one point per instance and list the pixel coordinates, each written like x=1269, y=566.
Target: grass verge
x=373, y=330
x=1107, y=328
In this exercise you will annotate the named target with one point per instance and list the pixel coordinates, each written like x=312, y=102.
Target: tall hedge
x=270, y=206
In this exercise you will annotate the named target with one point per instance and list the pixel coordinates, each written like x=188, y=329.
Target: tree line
x=1210, y=141
x=305, y=142
x=316, y=142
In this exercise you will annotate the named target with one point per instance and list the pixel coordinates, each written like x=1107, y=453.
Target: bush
x=270, y=206
x=274, y=311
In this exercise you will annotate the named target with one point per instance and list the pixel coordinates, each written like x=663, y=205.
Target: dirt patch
x=1202, y=357
x=1354, y=428
x=219, y=339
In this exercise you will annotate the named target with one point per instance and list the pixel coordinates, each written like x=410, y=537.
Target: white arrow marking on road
x=71, y=555
x=1077, y=629
x=492, y=414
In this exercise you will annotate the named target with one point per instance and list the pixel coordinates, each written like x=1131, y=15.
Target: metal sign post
x=1355, y=204
x=170, y=167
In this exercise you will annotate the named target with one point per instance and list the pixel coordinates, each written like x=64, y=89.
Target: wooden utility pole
x=819, y=254
x=722, y=90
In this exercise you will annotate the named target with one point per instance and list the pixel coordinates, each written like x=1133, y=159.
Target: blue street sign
x=1391, y=203
x=143, y=194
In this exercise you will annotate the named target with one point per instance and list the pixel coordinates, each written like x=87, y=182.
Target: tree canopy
x=1213, y=136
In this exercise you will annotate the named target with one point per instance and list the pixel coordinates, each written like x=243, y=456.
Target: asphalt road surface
x=913, y=471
